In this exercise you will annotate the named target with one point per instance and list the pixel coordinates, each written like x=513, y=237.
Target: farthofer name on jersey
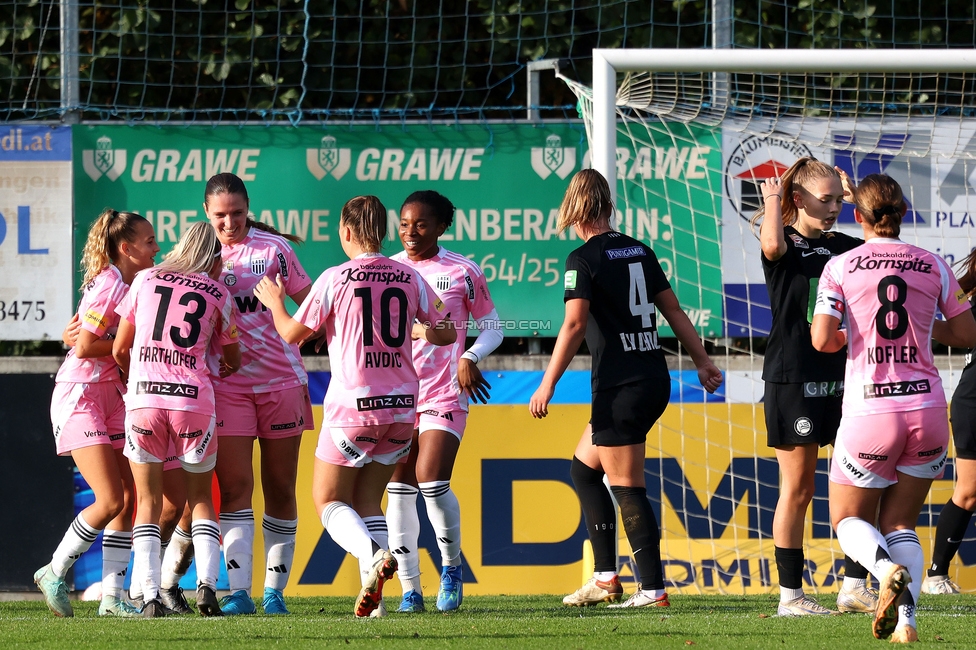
x=383, y=360
x=183, y=281
x=893, y=354
x=640, y=341
x=372, y=274
x=152, y=354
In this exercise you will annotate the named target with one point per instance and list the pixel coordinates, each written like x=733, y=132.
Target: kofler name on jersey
x=639, y=341
x=893, y=354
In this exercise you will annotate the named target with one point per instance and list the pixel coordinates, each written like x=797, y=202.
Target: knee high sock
x=444, y=513
x=145, y=547
x=177, y=558
x=376, y=526
x=279, y=550
x=77, y=539
x=404, y=532
x=641, y=527
x=116, y=552
x=206, y=547
x=598, y=513
x=347, y=529
x=953, y=522
x=864, y=544
x=237, y=529
x=905, y=549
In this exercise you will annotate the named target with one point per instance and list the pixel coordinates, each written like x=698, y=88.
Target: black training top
x=792, y=285
x=620, y=277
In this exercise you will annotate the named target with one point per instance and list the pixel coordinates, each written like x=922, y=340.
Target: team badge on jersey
x=442, y=282
x=230, y=279
x=229, y=265
x=799, y=241
x=258, y=266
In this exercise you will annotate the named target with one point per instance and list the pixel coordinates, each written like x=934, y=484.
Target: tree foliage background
x=300, y=60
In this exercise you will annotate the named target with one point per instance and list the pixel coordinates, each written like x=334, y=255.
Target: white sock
x=206, y=548
x=604, y=576
x=905, y=549
x=445, y=516
x=279, y=550
x=237, y=529
x=850, y=584
x=116, y=552
x=404, y=532
x=77, y=539
x=348, y=531
x=176, y=558
x=864, y=543
x=786, y=594
x=145, y=546
x=376, y=525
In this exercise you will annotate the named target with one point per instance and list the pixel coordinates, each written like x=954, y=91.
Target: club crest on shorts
x=803, y=426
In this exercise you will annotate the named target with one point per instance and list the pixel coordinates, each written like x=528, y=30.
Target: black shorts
x=623, y=415
x=962, y=414
x=802, y=414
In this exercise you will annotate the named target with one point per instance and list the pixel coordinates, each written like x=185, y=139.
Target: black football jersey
x=791, y=282
x=620, y=277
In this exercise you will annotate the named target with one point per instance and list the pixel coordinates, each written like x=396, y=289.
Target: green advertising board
x=506, y=180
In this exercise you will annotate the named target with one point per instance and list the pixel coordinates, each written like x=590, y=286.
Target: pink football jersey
x=267, y=362
x=175, y=316
x=97, y=313
x=367, y=307
x=462, y=287
x=888, y=293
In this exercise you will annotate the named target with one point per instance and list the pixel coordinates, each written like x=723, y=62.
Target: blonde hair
x=228, y=183
x=587, y=199
x=366, y=216
x=195, y=252
x=880, y=202
x=800, y=173
x=105, y=237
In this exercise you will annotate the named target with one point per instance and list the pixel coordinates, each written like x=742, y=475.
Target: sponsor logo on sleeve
x=961, y=296
x=569, y=280
x=283, y=265
x=92, y=317
x=439, y=305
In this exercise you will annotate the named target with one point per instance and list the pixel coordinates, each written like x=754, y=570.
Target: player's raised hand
x=771, y=187
x=848, y=185
x=270, y=293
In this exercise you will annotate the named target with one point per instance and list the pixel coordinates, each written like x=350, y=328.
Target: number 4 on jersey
x=643, y=308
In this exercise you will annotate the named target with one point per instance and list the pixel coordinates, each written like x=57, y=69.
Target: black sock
x=854, y=570
x=953, y=522
x=640, y=524
x=789, y=563
x=598, y=513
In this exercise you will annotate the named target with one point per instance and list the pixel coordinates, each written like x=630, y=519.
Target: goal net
x=689, y=136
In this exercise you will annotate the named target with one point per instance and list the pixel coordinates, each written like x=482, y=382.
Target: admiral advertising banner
x=940, y=191
x=507, y=182
x=36, y=296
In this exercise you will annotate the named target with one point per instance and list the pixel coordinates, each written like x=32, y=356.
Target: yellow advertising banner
x=710, y=477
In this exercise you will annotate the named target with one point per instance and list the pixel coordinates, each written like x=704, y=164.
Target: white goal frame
x=608, y=62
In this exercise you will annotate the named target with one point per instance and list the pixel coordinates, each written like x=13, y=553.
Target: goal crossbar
x=607, y=62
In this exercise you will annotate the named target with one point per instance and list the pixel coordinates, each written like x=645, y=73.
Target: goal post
x=685, y=138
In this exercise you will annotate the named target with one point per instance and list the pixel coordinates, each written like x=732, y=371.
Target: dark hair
x=880, y=203
x=967, y=281
x=227, y=183
x=366, y=216
x=441, y=206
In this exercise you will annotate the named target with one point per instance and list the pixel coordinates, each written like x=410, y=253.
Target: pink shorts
x=87, y=414
x=386, y=444
x=280, y=414
x=151, y=433
x=437, y=419
x=871, y=449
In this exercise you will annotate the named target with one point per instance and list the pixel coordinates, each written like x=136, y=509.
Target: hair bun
x=885, y=210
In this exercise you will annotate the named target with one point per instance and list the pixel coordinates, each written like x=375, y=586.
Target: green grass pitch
x=488, y=622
